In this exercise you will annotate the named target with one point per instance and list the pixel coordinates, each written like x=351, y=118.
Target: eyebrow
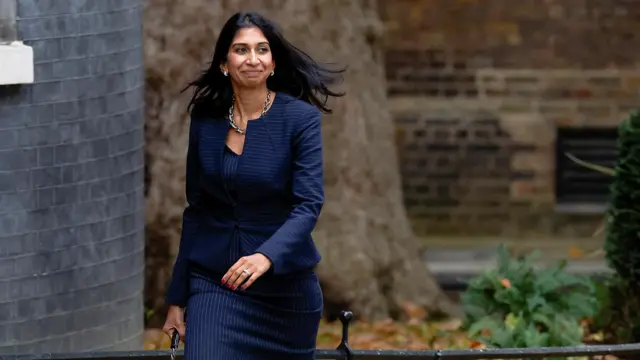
x=245, y=44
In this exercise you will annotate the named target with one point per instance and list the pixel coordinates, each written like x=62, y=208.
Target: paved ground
x=454, y=260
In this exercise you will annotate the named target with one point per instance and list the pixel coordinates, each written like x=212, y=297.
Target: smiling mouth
x=252, y=73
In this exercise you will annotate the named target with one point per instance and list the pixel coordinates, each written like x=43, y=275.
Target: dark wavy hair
x=297, y=73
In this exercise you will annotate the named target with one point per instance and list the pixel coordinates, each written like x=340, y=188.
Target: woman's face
x=249, y=61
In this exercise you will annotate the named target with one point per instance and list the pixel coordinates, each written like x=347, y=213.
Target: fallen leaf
x=414, y=311
x=599, y=336
x=450, y=325
x=575, y=252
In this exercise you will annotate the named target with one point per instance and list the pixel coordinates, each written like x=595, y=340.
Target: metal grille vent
x=576, y=184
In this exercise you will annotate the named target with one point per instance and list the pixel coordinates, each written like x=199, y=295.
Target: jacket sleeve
x=291, y=248
x=178, y=290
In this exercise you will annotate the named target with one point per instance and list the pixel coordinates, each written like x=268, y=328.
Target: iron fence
x=344, y=352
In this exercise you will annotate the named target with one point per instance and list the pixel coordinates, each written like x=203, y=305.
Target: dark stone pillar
x=71, y=181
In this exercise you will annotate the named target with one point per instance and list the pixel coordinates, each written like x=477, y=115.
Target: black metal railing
x=344, y=352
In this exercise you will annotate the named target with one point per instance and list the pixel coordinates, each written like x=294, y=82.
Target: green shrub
x=618, y=321
x=620, y=318
x=519, y=305
x=622, y=245
x=619, y=294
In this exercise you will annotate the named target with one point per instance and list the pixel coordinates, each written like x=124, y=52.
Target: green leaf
x=535, y=302
x=539, y=307
x=511, y=321
x=485, y=323
x=532, y=338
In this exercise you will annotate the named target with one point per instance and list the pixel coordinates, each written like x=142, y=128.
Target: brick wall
x=71, y=181
x=479, y=90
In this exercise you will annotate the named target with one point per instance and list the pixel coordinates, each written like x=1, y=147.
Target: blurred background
x=450, y=144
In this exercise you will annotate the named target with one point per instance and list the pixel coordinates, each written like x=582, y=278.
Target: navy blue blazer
x=279, y=188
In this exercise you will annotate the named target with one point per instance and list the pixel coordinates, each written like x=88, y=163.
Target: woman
x=254, y=184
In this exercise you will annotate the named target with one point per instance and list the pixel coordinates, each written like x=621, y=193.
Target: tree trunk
x=371, y=260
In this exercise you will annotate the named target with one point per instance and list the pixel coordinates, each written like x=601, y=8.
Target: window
x=576, y=184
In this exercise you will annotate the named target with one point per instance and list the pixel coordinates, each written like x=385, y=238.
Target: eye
x=264, y=49
x=241, y=50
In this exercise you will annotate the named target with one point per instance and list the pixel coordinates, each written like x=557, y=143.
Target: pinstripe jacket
x=280, y=193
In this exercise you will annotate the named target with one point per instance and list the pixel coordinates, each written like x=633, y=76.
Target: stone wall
x=71, y=181
x=479, y=91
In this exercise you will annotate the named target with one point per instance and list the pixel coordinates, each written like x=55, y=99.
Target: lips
x=252, y=73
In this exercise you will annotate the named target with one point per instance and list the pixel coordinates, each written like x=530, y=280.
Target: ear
x=223, y=67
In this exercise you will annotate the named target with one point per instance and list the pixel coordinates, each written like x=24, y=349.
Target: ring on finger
x=246, y=272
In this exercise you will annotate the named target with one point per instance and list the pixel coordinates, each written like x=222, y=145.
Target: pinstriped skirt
x=275, y=318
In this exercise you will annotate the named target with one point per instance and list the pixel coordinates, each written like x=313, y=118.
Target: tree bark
x=371, y=260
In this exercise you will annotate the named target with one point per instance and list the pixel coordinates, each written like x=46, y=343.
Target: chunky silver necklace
x=233, y=123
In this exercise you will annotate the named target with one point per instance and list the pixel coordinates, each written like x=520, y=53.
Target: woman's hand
x=175, y=321
x=248, y=268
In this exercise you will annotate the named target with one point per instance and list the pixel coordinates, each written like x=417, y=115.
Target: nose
x=253, y=59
